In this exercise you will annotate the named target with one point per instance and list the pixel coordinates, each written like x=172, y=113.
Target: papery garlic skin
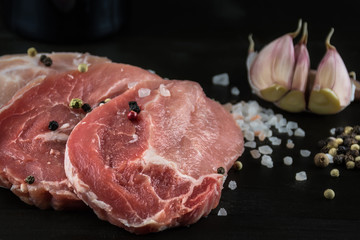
x=332, y=90
x=272, y=69
x=294, y=100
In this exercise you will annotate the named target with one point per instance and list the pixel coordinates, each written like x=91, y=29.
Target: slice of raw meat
x=160, y=170
x=29, y=149
x=17, y=70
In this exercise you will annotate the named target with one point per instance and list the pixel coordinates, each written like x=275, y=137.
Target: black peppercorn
x=321, y=143
x=339, y=130
x=341, y=150
x=29, y=179
x=349, y=158
x=356, y=129
x=134, y=106
x=86, y=107
x=325, y=149
x=42, y=58
x=339, y=159
x=53, y=125
x=353, y=153
x=221, y=170
x=48, y=62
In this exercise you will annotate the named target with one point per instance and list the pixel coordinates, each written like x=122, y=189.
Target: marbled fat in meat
x=157, y=171
x=29, y=148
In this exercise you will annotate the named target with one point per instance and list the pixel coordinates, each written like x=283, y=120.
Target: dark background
x=195, y=40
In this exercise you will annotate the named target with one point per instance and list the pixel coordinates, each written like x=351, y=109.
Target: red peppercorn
x=132, y=115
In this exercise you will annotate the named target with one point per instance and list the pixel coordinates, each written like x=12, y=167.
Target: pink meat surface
x=29, y=148
x=160, y=170
x=17, y=70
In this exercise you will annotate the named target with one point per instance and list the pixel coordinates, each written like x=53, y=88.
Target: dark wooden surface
x=195, y=40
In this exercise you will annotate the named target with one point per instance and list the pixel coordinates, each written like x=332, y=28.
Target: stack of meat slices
x=144, y=169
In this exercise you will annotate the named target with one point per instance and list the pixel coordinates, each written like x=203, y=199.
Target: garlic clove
x=270, y=71
x=333, y=89
x=294, y=100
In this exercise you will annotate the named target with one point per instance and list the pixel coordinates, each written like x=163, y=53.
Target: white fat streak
x=65, y=125
x=114, y=86
x=80, y=186
x=135, y=138
x=52, y=136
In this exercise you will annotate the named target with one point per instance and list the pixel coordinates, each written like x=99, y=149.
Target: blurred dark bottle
x=64, y=21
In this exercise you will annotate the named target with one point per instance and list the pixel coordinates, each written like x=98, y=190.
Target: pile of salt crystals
x=256, y=121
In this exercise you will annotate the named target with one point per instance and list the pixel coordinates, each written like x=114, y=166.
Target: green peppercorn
x=238, y=165
x=107, y=100
x=82, y=67
x=332, y=144
x=76, y=103
x=221, y=170
x=29, y=179
x=334, y=172
x=32, y=52
x=329, y=194
x=357, y=137
x=339, y=141
x=321, y=160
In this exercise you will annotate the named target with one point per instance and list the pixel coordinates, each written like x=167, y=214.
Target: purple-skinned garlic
x=270, y=71
x=332, y=89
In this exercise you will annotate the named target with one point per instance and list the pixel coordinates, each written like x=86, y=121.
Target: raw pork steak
x=17, y=70
x=29, y=149
x=160, y=170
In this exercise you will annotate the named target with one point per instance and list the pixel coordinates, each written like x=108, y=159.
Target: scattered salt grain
x=232, y=185
x=299, y=132
x=222, y=212
x=332, y=131
x=250, y=144
x=221, y=79
x=292, y=125
x=255, y=154
x=290, y=144
x=267, y=161
x=144, y=92
x=275, y=141
x=301, y=176
x=305, y=153
x=266, y=149
x=132, y=84
x=249, y=135
x=288, y=160
x=290, y=132
x=235, y=91
x=163, y=91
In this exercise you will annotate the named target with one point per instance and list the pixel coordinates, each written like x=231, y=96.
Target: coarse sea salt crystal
x=266, y=149
x=144, y=92
x=301, y=176
x=222, y=212
x=250, y=144
x=266, y=160
x=232, y=185
x=292, y=125
x=132, y=84
x=255, y=154
x=299, y=132
x=235, y=91
x=288, y=160
x=275, y=141
x=221, y=79
x=305, y=153
x=290, y=144
x=249, y=135
x=163, y=91
x=332, y=131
